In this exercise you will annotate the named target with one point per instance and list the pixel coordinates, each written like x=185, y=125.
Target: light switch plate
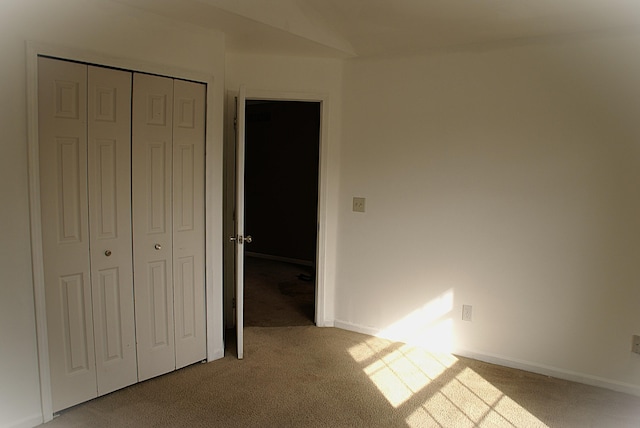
x=358, y=205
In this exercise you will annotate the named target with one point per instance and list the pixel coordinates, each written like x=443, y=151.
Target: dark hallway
x=278, y=294
x=281, y=197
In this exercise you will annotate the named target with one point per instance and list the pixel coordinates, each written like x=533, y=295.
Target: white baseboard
x=370, y=331
x=278, y=258
x=516, y=364
x=551, y=371
x=27, y=422
x=326, y=324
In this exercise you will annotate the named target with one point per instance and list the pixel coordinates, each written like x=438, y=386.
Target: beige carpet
x=325, y=377
x=297, y=375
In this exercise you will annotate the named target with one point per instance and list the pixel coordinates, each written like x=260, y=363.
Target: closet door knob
x=107, y=253
x=158, y=247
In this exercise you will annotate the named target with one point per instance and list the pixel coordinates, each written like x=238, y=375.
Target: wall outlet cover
x=467, y=311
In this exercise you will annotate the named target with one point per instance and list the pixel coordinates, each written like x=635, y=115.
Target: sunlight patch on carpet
x=468, y=400
x=437, y=389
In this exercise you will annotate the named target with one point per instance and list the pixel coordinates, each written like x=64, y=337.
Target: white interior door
x=188, y=222
x=109, y=183
x=62, y=101
x=152, y=131
x=239, y=235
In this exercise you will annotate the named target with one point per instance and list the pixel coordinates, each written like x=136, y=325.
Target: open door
x=239, y=237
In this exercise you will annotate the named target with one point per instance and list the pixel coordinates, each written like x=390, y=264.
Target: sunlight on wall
x=436, y=389
x=427, y=326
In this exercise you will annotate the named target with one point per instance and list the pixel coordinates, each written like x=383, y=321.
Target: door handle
x=158, y=247
x=241, y=239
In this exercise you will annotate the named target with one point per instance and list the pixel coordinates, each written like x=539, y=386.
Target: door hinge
x=233, y=303
x=235, y=123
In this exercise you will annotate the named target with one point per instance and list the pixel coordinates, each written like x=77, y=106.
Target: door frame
x=213, y=194
x=322, y=305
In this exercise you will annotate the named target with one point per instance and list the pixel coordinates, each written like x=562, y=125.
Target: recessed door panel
x=188, y=222
x=69, y=98
x=152, y=123
x=185, y=301
x=111, y=308
x=62, y=99
x=109, y=179
x=106, y=191
x=71, y=176
x=184, y=185
x=157, y=190
x=72, y=290
x=160, y=305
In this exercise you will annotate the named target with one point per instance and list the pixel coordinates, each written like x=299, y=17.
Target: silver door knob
x=232, y=238
x=107, y=253
x=248, y=239
x=158, y=247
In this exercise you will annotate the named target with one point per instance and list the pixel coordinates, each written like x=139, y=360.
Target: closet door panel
x=152, y=122
x=109, y=180
x=62, y=100
x=188, y=221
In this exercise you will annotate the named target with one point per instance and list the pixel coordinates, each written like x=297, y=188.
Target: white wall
x=505, y=179
x=109, y=30
x=281, y=74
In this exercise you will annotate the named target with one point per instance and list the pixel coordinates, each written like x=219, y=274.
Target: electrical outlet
x=635, y=344
x=466, y=312
x=358, y=205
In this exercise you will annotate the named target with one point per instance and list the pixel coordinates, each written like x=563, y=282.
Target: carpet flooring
x=304, y=376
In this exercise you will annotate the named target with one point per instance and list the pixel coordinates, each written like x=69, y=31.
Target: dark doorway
x=282, y=141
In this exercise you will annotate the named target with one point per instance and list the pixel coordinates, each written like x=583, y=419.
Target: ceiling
x=371, y=28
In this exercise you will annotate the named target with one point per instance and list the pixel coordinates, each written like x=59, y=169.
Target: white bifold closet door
x=84, y=150
x=168, y=223
x=188, y=222
x=120, y=188
x=109, y=179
